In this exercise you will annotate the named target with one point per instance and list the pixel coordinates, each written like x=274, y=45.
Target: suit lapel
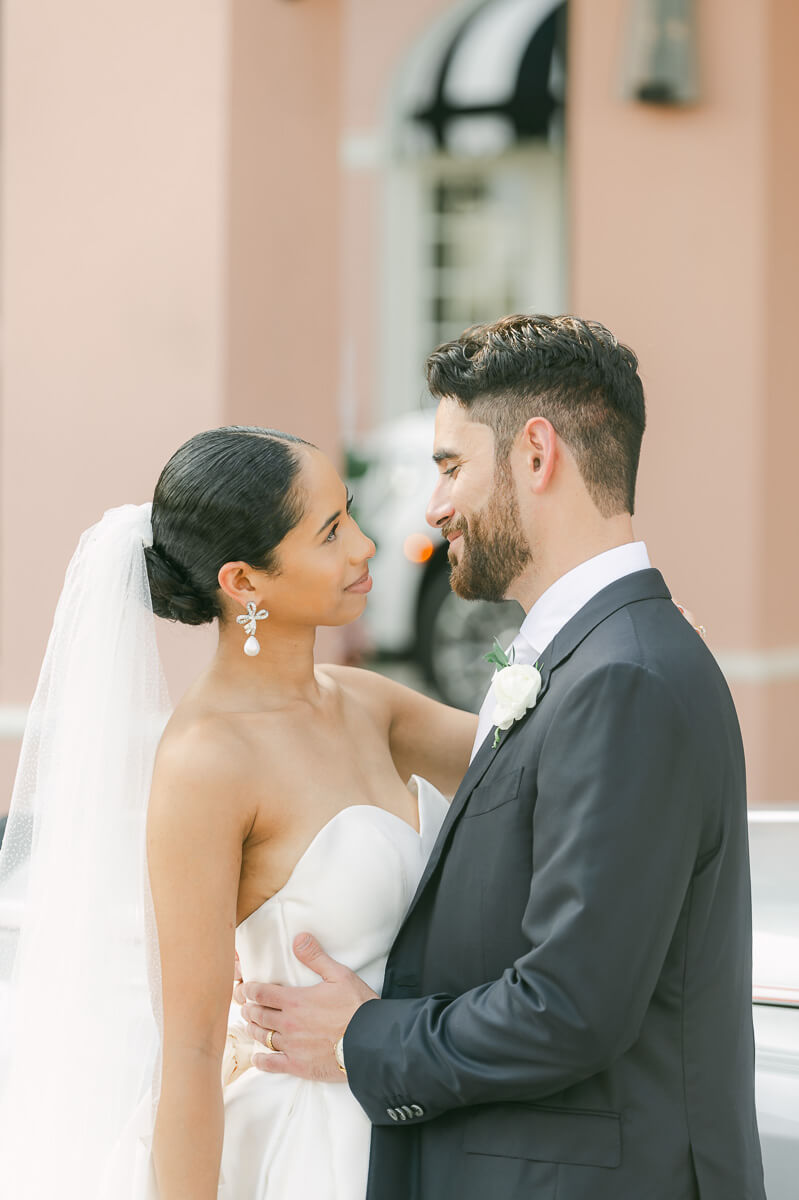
x=482, y=760
x=477, y=769
x=631, y=589
x=642, y=585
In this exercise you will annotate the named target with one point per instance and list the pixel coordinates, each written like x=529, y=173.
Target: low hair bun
x=173, y=594
x=226, y=495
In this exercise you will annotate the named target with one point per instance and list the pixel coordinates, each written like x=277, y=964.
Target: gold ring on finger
x=270, y=1033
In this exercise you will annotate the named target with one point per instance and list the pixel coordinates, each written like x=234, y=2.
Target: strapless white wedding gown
x=287, y=1138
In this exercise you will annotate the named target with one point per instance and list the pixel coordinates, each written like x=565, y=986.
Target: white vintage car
x=774, y=849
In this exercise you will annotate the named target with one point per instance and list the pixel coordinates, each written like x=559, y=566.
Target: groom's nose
x=439, y=508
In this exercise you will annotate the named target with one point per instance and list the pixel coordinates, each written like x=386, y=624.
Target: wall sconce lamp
x=661, y=61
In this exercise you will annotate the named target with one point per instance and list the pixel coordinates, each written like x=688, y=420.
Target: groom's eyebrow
x=443, y=455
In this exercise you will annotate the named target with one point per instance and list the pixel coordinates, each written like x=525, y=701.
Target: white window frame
x=537, y=171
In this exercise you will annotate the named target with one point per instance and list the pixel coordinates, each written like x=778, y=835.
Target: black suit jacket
x=567, y=1007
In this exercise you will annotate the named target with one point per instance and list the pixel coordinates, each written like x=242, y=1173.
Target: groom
x=567, y=1006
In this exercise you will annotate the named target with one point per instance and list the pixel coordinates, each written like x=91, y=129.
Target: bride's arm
x=197, y=823
x=427, y=738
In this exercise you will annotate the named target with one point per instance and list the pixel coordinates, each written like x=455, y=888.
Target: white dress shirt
x=558, y=604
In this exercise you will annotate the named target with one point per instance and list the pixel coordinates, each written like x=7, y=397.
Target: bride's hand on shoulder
x=691, y=619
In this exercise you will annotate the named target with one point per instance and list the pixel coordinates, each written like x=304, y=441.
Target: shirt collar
x=567, y=595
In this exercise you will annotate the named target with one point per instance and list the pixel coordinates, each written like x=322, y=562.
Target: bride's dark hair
x=226, y=494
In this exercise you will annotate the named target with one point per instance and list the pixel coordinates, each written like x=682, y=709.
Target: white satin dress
x=287, y=1138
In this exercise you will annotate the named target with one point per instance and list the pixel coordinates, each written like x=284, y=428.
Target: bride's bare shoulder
x=203, y=756
x=201, y=810
x=194, y=731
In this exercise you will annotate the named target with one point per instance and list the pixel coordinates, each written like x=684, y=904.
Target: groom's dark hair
x=570, y=371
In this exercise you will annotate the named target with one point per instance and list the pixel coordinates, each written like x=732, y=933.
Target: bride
x=277, y=797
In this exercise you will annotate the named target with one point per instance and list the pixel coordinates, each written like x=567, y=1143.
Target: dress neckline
x=417, y=834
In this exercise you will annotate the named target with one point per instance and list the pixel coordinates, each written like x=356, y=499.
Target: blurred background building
x=269, y=211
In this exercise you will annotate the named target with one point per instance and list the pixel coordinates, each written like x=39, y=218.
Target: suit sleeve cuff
x=375, y=1080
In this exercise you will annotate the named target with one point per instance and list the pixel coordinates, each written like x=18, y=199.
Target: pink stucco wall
x=283, y=318
x=683, y=242
x=113, y=185
x=170, y=209
x=187, y=240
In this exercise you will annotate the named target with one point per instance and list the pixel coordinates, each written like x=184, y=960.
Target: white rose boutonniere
x=515, y=687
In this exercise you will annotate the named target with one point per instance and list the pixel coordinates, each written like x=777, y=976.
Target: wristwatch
x=338, y=1050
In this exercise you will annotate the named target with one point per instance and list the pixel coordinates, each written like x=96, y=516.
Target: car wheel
x=453, y=636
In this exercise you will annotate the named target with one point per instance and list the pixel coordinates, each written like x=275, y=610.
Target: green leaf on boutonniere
x=497, y=738
x=498, y=658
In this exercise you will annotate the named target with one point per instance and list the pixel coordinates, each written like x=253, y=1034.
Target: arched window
x=475, y=224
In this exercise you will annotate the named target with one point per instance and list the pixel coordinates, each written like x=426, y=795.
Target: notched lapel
x=484, y=758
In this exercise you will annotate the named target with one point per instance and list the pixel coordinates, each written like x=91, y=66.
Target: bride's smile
x=320, y=572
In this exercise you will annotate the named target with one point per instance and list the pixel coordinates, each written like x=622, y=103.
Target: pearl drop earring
x=252, y=646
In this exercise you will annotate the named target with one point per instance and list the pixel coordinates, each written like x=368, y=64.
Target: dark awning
x=497, y=80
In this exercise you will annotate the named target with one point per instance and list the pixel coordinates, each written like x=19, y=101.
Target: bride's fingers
x=238, y=979
x=691, y=619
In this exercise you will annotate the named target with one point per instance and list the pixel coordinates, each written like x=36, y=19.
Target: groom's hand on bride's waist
x=300, y=1026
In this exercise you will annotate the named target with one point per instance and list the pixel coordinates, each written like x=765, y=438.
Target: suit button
x=417, y=1109
x=408, y=1111
x=391, y=1113
x=401, y=1115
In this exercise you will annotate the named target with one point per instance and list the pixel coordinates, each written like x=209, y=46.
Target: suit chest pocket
x=494, y=794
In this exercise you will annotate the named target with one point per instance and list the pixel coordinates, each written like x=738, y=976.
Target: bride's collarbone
x=311, y=790
x=306, y=790
x=346, y=744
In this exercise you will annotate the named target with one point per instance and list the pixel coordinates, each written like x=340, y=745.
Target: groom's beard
x=494, y=550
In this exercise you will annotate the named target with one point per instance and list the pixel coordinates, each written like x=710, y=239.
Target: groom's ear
x=539, y=448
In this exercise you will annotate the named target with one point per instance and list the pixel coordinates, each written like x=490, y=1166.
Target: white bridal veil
x=79, y=1037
